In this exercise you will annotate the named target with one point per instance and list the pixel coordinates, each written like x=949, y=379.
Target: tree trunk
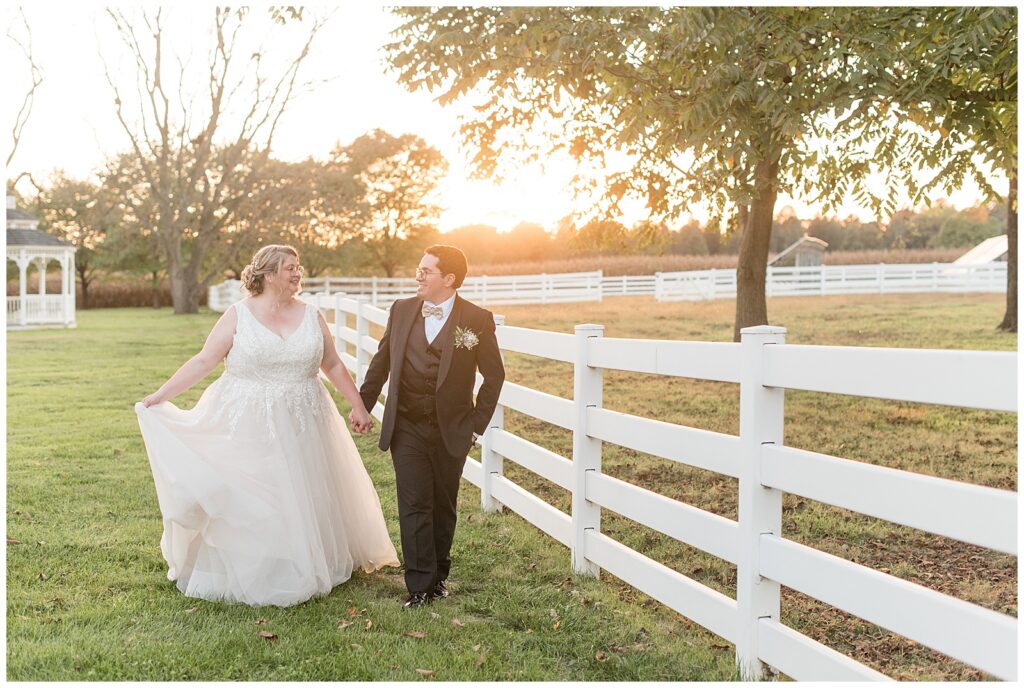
x=751, y=308
x=183, y=295
x=1009, y=323
x=156, y=289
x=84, y=282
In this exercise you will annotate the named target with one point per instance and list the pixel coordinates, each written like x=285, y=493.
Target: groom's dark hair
x=450, y=260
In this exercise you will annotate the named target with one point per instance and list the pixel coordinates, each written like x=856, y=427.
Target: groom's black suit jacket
x=457, y=416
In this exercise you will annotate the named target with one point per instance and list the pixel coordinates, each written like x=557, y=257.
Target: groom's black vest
x=416, y=396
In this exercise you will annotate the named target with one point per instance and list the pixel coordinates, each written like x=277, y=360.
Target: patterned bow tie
x=428, y=311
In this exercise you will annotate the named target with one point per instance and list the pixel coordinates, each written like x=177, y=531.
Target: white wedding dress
x=264, y=497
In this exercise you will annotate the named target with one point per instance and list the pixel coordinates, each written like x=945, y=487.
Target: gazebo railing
x=39, y=309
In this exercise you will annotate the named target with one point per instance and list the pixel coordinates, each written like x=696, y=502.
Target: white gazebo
x=26, y=246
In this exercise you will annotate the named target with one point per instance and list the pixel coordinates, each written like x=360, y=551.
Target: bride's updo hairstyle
x=267, y=261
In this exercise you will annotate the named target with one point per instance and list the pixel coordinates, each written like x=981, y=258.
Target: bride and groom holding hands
x=264, y=497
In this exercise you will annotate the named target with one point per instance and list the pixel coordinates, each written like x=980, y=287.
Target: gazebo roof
x=32, y=237
x=19, y=214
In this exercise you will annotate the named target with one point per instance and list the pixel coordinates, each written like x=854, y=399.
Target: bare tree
x=199, y=162
x=25, y=44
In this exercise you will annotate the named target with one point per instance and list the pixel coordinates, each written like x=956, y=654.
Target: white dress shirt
x=432, y=325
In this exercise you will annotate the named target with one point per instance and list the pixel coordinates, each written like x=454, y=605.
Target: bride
x=265, y=500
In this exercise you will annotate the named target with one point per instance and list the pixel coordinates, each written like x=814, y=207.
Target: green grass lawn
x=87, y=591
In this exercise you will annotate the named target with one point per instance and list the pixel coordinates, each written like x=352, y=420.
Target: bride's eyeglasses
x=295, y=268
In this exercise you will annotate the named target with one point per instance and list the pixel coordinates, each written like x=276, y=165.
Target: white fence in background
x=694, y=285
x=825, y=280
x=764, y=366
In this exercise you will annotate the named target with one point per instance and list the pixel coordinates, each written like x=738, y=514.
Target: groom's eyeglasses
x=420, y=272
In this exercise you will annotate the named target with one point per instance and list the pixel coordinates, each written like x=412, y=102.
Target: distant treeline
x=938, y=227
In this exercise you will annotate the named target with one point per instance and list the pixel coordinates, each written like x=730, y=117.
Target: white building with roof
x=26, y=246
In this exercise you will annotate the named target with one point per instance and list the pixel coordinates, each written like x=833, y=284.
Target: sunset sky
x=73, y=124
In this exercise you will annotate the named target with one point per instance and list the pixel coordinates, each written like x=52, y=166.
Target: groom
x=431, y=349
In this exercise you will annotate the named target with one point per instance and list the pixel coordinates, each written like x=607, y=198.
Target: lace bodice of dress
x=263, y=369
x=261, y=355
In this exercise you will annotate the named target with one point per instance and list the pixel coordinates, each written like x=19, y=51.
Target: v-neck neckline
x=282, y=338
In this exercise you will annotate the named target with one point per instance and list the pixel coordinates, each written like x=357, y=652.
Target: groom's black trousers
x=428, y=480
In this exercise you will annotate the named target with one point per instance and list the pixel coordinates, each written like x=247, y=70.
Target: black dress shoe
x=440, y=589
x=417, y=599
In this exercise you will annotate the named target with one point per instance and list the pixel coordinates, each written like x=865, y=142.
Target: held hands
x=361, y=421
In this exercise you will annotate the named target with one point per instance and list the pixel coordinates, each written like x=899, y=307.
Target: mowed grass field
x=88, y=596
x=955, y=443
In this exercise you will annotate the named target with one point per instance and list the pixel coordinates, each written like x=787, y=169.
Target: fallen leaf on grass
x=192, y=610
x=344, y=624
x=369, y=624
x=554, y=626
x=357, y=646
x=352, y=612
x=720, y=646
x=425, y=672
x=12, y=541
x=480, y=661
x=415, y=634
x=531, y=566
x=456, y=622
x=43, y=576
x=476, y=648
x=261, y=622
x=267, y=635
x=435, y=615
x=618, y=648
x=601, y=657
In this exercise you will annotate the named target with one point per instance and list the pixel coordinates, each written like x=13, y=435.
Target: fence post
x=760, y=508
x=373, y=290
x=492, y=463
x=600, y=286
x=768, y=278
x=362, y=329
x=880, y=270
x=483, y=290
x=714, y=286
x=588, y=392
x=340, y=322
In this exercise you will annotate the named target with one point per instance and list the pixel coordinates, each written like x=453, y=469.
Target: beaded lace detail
x=262, y=370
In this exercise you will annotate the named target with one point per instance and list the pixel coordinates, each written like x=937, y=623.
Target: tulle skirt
x=267, y=506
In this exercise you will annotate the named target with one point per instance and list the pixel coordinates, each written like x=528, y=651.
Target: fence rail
x=694, y=285
x=825, y=280
x=762, y=365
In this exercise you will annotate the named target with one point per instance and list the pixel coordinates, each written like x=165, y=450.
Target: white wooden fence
x=694, y=285
x=764, y=366
x=823, y=280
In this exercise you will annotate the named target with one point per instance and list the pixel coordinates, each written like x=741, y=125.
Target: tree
x=80, y=213
x=651, y=238
x=478, y=242
x=394, y=207
x=960, y=66
x=197, y=164
x=722, y=106
x=527, y=241
x=601, y=237
x=689, y=240
x=24, y=44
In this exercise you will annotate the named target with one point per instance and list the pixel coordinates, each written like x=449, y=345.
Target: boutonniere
x=465, y=338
